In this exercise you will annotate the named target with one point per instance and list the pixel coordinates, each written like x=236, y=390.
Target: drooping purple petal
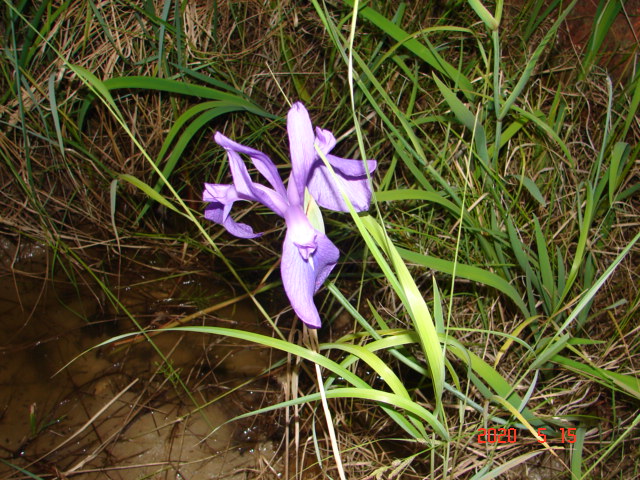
x=261, y=161
x=308, y=257
x=221, y=198
x=249, y=190
x=301, y=149
x=350, y=177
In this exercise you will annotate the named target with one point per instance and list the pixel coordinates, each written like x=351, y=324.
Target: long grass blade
x=425, y=52
x=470, y=272
x=531, y=65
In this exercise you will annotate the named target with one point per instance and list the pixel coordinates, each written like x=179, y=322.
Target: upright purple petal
x=350, y=177
x=302, y=150
x=221, y=198
x=308, y=257
x=325, y=140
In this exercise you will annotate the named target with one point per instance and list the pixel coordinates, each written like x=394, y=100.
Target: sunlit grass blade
x=609, y=379
x=489, y=20
x=415, y=305
x=389, y=399
x=470, y=272
x=496, y=382
x=176, y=87
x=151, y=193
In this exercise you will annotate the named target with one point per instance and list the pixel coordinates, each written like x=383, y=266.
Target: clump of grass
x=493, y=284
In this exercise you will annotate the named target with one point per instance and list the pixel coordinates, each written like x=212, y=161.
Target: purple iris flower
x=308, y=256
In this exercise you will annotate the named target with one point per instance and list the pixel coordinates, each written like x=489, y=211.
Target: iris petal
x=249, y=190
x=261, y=161
x=302, y=150
x=325, y=140
x=302, y=278
x=222, y=198
x=350, y=177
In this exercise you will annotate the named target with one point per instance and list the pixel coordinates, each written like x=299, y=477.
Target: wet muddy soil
x=123, y=413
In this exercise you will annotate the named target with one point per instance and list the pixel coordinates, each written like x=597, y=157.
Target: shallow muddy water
x=121, y=412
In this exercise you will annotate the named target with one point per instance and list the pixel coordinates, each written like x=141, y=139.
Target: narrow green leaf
x=508, y=465
x=55, y=114
x=577, y=453
x=560, y=270
x=587, y=297
x=484, y=14
x=531, y=64
x=390, y=399
x=537, y=118
x=550, y=349
x=97, y=86
x=521, y=257
x=619, y=157
x=468, y=119
x=182, y=88
x=585, y=229
x=533, y=189
x=509, y=132
x=633, y=108
x=417, y=194
x=149, y=191
x=544, y=266
x=470, y=272
x=626, y=383
x=21, y=470
x=113, y=190
x=169, y=86
x=438, y=314
x=415, y=305
x=425, y=52
x=491, y=377
x=601, y=29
